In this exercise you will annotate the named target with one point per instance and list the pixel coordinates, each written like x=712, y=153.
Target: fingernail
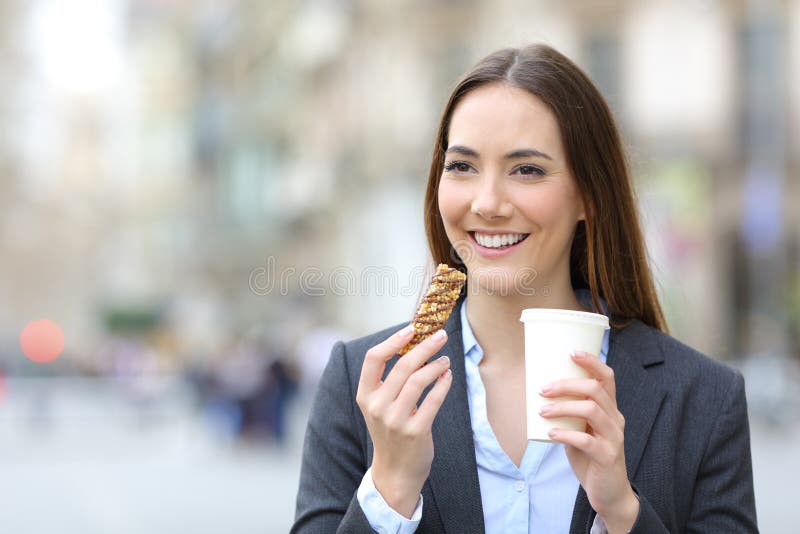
x=578, y=354
x=441, y=334
x=544, y=409
x=447, y=375
x=552, y=433
x=407, y=330
x=547, y=388
x=444, y=360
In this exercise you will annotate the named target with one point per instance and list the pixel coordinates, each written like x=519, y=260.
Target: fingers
x=601, y=422
x=581, y=388
x=602, y=376
x=600, y=407
x=587, y=443
x=598, y=370
x=376, y=358
x=412, y=390
x=427, y=411
x=408, y=364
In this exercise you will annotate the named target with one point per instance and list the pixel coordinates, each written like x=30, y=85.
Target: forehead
x=497, y=118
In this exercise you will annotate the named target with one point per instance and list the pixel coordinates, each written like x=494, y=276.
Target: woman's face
x=507, y=197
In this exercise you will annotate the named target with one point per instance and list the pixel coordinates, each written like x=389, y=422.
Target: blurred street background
x=198, y=194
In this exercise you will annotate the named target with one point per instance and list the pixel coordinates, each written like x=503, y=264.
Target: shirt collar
x=472, y=350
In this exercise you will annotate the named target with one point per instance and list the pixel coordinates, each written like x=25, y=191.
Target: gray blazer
x=687, y=442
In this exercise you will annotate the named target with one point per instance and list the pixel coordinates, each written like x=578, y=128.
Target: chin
x=493, y=280
x=506, y=280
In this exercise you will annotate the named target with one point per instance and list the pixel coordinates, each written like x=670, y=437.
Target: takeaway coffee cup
x=550, y=337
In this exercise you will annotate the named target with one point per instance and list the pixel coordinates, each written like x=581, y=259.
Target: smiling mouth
x=497, y=241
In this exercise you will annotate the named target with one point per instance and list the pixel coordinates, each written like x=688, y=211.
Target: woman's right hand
x=400, y=432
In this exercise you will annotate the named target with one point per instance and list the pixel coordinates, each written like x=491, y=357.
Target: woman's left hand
x=597, y=456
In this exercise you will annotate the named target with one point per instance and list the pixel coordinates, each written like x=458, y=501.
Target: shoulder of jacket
x=684, y=361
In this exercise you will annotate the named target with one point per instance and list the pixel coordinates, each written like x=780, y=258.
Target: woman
x=528, y=189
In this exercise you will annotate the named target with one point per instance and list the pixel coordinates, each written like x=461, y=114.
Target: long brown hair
x=608, y=254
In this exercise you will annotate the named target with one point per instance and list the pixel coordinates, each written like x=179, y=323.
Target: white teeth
x=498, y=240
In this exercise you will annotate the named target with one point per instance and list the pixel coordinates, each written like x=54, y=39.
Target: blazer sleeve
x=724, y=499
x=333, y=461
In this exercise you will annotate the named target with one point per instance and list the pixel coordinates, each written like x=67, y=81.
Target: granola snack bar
x=438, y=302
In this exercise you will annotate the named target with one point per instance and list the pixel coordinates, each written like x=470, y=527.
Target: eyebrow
x=514, y=154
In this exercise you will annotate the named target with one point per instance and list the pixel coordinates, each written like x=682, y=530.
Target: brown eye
x=457, y=166
x=530, y=170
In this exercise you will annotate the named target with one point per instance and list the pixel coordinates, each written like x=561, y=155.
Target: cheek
x=542, y=211
x=453, y=201
x=552, y=207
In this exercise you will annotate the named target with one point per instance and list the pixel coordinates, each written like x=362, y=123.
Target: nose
x=490, y=200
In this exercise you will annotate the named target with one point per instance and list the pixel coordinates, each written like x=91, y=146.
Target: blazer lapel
x=639, y=393
x=639, y=396
x=454, y=473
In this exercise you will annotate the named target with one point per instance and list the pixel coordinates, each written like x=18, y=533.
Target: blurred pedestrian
x=281, y=388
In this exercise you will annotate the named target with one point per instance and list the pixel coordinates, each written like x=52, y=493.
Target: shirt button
x=519, y=485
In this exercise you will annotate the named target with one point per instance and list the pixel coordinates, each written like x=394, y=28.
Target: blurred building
x=232, y=167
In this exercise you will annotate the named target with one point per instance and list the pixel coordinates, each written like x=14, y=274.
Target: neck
x=494, y=319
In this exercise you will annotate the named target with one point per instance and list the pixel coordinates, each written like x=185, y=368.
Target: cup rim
x=555, y=314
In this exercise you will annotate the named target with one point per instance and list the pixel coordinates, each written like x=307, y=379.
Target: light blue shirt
x=536, y=497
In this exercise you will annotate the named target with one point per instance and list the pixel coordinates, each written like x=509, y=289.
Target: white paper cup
x=550, y=337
